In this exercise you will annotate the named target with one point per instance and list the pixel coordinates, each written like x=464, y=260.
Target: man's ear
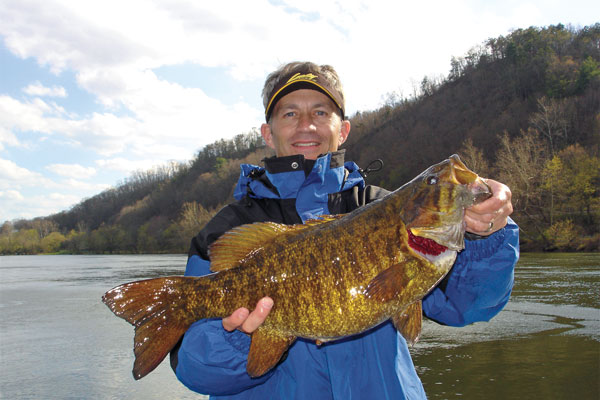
x=265, y=131
x=344, y=131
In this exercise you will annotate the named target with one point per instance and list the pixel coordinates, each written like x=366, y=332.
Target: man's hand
x=247, y=321
x=491, y=215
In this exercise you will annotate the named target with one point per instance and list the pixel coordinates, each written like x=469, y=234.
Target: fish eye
x=432, y=180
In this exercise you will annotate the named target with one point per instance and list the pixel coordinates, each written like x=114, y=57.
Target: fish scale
x=328, y=278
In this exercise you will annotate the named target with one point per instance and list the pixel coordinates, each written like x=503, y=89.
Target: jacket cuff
x=238, y=340
x=477, y=250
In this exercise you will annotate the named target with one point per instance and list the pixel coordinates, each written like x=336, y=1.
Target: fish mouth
x=480, y=190
x=430, y=240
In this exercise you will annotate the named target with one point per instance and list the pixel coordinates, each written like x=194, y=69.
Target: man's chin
x=309, y=154
x=312, y=153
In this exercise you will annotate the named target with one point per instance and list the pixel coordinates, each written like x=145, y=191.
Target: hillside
x=522, y=108
x=494, y=89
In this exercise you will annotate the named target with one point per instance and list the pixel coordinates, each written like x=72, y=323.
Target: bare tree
x=551, y=120
x=473, y=158
x=520, y=165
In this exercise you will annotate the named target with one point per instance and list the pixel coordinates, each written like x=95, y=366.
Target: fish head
x=436, y=202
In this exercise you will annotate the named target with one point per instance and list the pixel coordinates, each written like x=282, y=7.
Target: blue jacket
x=375, y=364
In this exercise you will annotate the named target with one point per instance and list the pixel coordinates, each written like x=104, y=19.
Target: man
x=304, y=108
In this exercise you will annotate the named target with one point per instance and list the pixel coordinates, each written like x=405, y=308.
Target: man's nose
x=305, y=122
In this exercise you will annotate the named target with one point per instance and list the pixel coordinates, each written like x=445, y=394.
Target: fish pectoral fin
x=409, y=321
x=387, y=284
x=266, y=349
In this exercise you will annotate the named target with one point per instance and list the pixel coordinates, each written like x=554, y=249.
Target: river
x=58, y=341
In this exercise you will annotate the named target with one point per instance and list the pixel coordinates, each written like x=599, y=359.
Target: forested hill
x=522, y=108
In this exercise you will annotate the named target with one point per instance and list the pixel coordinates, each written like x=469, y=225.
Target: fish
x=329, y=278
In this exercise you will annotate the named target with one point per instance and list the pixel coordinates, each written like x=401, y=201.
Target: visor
x=303, y=81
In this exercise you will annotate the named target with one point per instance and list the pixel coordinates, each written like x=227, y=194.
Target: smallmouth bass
x=329, y=278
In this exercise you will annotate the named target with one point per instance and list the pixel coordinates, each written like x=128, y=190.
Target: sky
x=92, y=91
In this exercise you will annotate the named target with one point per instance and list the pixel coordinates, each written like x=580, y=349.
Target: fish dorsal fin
x=238, y=243
x=235, y=245
x=323, y=219
x=408, y=322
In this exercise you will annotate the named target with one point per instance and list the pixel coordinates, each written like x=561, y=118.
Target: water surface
x=57, y=339
x=545, y=344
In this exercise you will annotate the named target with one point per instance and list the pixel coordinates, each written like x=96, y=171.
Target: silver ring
x=491, y=226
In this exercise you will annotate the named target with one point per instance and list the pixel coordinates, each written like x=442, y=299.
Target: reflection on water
x=545, y=344
x=561, y=278
x=544, y=366
x=57, y=339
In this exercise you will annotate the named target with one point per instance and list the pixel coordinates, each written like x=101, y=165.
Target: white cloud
x=11, y=174
x=7, y=138
x=27, y=207
x=37, y=89
x=396, y=48
x=28, y=194
x=34, y=115
x=168, y=121
x=14, y=177
x=69, y=34
x=72, y=170
x=11, y=195
x=146, y=114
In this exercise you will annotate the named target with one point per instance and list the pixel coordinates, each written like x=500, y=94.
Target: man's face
x=305, y=122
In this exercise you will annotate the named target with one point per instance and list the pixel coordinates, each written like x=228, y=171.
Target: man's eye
x=289, y=114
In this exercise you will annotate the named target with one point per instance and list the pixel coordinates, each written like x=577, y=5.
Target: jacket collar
x=284, y=177
x=275, y=165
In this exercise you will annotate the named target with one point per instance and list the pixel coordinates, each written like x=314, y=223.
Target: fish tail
x=157, y=309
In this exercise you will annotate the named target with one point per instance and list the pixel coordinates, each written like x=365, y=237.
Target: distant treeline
x=523, y=109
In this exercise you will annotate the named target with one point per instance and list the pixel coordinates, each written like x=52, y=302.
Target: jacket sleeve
x=480, y=283
x=210, y=359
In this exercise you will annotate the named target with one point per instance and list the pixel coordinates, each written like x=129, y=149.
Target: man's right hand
x=247, y=321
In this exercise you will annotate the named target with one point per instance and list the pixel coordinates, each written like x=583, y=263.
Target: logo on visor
x=305, y=77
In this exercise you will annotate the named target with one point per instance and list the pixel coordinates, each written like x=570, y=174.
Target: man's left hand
x=492, y=214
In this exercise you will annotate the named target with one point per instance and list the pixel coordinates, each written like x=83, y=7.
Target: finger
x=478, y=224
x=501, y=195
x=472, y=216
x=258, y=315
x=485, y=224
x=236, y=319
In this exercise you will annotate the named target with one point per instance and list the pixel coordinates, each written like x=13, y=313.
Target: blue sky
x=91, y=91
